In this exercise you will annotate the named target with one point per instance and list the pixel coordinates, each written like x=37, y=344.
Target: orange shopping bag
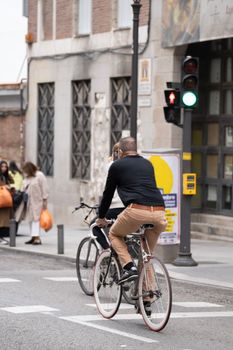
x=5, y=198
x=46, y=220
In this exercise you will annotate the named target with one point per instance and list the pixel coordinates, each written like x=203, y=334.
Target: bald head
x=128, y=144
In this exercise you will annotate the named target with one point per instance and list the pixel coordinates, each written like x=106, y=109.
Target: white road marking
x=196, y=304
x=28, y=309
x=110, y=305
x=207, y=314
x=61, y=279
x=111, y=330
x=8, y=280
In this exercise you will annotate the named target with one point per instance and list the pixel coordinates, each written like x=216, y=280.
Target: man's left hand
x=101, y=222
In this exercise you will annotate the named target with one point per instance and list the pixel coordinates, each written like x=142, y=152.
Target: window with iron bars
x=81, y=130
x=120, y=107
x=45, y=155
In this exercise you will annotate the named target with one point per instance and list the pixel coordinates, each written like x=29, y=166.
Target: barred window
x=45, y=156
x=81, y=129
x=120, y=110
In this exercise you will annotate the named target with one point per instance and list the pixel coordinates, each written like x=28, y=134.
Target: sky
x=13, y=49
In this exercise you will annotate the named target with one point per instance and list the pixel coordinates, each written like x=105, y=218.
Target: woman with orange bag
x=36, y=187
x=5, y=212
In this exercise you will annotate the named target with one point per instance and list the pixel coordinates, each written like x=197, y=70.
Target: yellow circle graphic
x=163, y=174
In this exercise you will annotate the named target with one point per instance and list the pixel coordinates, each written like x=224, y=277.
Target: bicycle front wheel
x=107, y=292
x=155, y=294
x=86, y=258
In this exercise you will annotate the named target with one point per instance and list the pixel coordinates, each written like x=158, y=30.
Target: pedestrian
x=133, y=177
x=116, y=206
x=16, y=174
x=5, y=213
x=36, y=187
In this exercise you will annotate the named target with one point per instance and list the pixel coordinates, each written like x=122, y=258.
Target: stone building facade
x=79, y=92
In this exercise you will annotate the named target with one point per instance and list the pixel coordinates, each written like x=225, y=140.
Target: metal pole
x=12, y=233
x=185, y=257
x=134, y=78
x=60, y=239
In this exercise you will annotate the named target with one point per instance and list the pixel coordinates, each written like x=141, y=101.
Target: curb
x=46, y=255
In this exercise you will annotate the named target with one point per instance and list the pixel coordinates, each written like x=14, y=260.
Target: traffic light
x=189, y=82
x=172, y=98
x=172, y=115
x=172, y=111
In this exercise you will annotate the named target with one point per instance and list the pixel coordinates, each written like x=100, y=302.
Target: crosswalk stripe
x=195, y=304
x=62, y=279
x=110, y=305
x=207, y=314
x=28, y=309
x=111, y=330
x=8, y=280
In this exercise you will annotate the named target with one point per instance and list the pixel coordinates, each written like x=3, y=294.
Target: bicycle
x=87, y=254
x=152, y=285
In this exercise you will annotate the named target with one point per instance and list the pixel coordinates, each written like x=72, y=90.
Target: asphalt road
x=37, y=311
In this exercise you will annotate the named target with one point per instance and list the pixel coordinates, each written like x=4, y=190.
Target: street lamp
x=134, y=78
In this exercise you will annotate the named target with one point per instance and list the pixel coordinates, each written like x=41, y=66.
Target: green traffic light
x=189, y=99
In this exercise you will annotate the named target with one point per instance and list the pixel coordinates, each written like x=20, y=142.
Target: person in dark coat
x=5, y=213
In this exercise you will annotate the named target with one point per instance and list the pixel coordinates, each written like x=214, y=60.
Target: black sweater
x=133, y=176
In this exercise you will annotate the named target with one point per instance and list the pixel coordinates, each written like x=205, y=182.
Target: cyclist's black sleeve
x=108, y=193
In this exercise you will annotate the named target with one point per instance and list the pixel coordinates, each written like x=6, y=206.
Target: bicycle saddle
x=147, y=226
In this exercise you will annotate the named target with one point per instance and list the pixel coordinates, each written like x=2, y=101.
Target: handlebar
x=84, y=205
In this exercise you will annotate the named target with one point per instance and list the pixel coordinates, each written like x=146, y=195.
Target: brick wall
x=48, y=19
x=101, y=16
x=32, y=18
x=12, y=138
x=64, y=18
x=144, y=13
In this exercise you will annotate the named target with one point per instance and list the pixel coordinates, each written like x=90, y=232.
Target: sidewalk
x=214, y=258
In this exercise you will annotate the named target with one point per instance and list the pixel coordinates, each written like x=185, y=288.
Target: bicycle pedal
x=126, y=288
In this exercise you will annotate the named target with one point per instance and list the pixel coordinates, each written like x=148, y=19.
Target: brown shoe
x=36, y=241
x=30, y=241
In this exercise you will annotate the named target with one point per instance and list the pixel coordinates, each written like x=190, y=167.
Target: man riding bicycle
x=133, y=177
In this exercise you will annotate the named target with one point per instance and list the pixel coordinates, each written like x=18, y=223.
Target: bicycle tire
x=107, y=292
x=86, y=257
x=155, y=286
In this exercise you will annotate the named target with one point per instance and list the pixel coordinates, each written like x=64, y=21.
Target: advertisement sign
x=167, y=173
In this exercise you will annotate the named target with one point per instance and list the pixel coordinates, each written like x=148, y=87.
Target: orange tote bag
x=5, y=198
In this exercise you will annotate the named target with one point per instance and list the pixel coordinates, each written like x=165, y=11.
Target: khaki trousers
x=128, y=222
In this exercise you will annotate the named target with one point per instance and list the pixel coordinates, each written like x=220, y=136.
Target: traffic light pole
x=185, y=257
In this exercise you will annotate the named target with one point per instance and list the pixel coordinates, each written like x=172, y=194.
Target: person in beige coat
x=36, y=187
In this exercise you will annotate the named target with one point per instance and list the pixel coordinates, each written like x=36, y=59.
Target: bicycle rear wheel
x=107, y=292
x=86, y=257
x=155, y=294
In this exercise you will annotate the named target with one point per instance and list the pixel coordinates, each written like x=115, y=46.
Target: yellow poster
x=167, y=174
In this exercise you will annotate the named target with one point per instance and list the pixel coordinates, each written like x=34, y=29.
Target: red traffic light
x=172, y=97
